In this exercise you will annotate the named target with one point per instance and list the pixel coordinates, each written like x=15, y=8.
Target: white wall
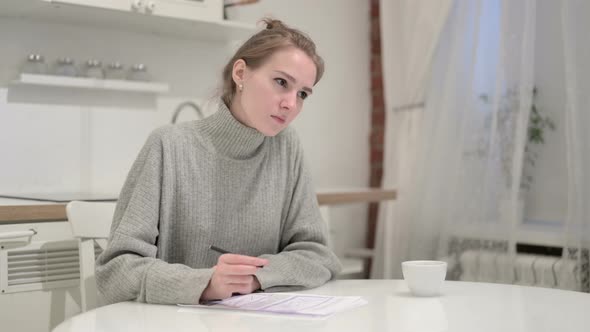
x=52, y=148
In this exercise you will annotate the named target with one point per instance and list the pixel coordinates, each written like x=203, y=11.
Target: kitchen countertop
x=14, y=211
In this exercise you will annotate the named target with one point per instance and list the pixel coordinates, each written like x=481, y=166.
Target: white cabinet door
x=206, y=10
x=106, y=4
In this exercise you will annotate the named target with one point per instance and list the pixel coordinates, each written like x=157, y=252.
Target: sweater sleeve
x=128, y=268
x=304, y=260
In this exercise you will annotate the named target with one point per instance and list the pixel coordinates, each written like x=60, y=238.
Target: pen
x=219, y=250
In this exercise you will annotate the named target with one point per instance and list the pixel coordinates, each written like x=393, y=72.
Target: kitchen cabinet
x=208, y=10
x=192, y=19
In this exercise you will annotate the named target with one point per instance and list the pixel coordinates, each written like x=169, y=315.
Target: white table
x=463, y=307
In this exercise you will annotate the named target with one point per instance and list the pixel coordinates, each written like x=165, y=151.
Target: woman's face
x=272, y=95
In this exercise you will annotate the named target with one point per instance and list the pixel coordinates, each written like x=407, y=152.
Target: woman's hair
x=256, y=50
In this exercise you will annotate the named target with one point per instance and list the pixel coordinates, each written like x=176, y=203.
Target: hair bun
x=273, y=24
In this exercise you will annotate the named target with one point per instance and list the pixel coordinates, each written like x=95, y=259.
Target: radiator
x=520, y=269
x=39, y=276
x=488, y=260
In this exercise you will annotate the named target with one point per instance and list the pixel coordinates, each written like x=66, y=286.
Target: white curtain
x=576, y=47
x=456, y=162
x=410, y=30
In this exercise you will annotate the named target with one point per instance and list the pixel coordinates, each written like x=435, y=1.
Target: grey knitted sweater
x=213, y=181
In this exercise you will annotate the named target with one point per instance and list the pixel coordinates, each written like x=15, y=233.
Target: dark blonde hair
x=256, y=50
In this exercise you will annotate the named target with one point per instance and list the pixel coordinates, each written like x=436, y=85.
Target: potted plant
x=538, y=125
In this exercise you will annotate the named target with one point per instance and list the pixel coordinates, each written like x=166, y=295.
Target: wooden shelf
x=354, y=195
x=33, y=212
x=44, y=11
x=12, y=214
x=91, y=83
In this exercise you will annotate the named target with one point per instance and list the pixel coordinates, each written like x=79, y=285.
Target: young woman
x=235, y=180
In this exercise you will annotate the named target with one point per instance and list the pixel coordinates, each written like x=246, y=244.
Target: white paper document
x=284, y=303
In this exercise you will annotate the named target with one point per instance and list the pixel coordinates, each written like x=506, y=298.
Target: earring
x=240, y=87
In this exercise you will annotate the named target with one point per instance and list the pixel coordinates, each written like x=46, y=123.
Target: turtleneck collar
x=229, y=136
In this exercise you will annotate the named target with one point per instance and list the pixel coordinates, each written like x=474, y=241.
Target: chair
x=90, y=222
x=354, y=260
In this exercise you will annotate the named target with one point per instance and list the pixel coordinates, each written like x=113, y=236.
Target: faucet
x=181, y=106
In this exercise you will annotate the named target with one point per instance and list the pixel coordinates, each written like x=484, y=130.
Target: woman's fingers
x=233, y=274
x=241, y=288
x=232, y=264
x=227, y=269
x=237, y=279
x=242, y=260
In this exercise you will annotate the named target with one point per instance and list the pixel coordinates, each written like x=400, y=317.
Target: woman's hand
x=233, y=274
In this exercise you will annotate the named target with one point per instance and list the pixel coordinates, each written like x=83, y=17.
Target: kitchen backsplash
x=69, y=149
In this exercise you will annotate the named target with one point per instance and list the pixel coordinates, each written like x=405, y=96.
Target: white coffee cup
x=424, y=278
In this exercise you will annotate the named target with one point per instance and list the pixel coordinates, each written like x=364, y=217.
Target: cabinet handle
x=151, y=6
x=137, y=4
x=15, y=235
